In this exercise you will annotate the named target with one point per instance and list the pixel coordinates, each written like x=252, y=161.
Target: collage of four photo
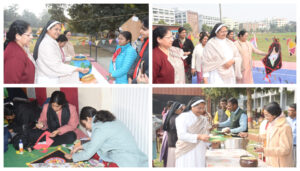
x=206, y=85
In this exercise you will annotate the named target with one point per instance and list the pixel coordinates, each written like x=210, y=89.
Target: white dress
x=213, y=76
x=195, y=157
x=49, y=63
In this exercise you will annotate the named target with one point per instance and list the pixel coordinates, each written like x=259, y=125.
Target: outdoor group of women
x=217, y=59
x=46, y=65
x=109, y=138
x=187, y=135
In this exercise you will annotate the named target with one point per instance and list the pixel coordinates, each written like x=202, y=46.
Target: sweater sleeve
x=13, y=68
x=50, y=57
x=156, y=68
x=73, y=122
x=285, y=143
x=129, y=59
x=90, y=148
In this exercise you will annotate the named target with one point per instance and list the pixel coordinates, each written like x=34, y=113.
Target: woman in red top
x=19, y=65
x=163, y=71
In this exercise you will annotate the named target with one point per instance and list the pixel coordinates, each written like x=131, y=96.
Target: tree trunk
x=249, y=108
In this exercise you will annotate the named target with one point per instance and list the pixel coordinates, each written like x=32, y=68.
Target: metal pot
x=235, y=143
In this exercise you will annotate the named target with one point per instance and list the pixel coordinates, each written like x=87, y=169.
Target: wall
x=131, y=107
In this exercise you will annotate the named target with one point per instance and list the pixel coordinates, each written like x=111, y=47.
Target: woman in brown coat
x=279, y=138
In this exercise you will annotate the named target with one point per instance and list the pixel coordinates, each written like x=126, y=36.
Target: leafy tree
x=44, y=18
x=57, y=12
x=10, y=15
x=94, y=18
x=161, y=22
x=30, y=17
x=206, y=28
x=215, y=94
x=188, y=28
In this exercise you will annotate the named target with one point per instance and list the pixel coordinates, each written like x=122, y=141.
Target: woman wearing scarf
x=279, y=138
x=19, y=65
x=221, y=58
x=60, y=119
x=142, y=61
x=168, y=67
x=192, y=131
x=246, y=48
x=122, y=59
x=170, y=127
x=188, y=47
x=48, y=56
x=111, y=140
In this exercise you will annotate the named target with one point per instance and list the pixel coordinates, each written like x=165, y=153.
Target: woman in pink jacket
x=60, y=119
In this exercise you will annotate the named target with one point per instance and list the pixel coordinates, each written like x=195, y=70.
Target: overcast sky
x=240, y=12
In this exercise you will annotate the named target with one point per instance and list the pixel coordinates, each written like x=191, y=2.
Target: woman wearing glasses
x=221, y=58
x=168, y=67
x=19, y=65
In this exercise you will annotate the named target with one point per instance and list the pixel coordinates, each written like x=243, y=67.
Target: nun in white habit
x=222, y=61
x=193, y=133
x=48, y=56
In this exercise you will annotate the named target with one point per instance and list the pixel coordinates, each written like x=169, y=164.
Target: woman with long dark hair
x=48, y=56
x=19, y=65
x=60, y=119
x=221, y=58
x=246, y=48
x=111, y=141
x=278, y=136
x=122, y=59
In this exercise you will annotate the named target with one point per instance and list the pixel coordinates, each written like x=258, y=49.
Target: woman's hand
x=259, y=149
x=68, y=156
x=142, y=79
x=54, y=133
x=39, y=125
x=229, y=64
x=243, y=134
x=203, y=137
x=76, y=148
x=111, y=78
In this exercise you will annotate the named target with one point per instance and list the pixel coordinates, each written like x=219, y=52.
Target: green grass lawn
x=264, y=45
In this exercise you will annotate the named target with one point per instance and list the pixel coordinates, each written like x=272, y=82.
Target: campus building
x=190, y=17
x=163, y=14
x=208, y=20
x=285, y=97
x=230, y=23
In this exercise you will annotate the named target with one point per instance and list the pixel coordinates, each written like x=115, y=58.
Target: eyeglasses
x=224, y=31
x=29, y=35
x=168, y=37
